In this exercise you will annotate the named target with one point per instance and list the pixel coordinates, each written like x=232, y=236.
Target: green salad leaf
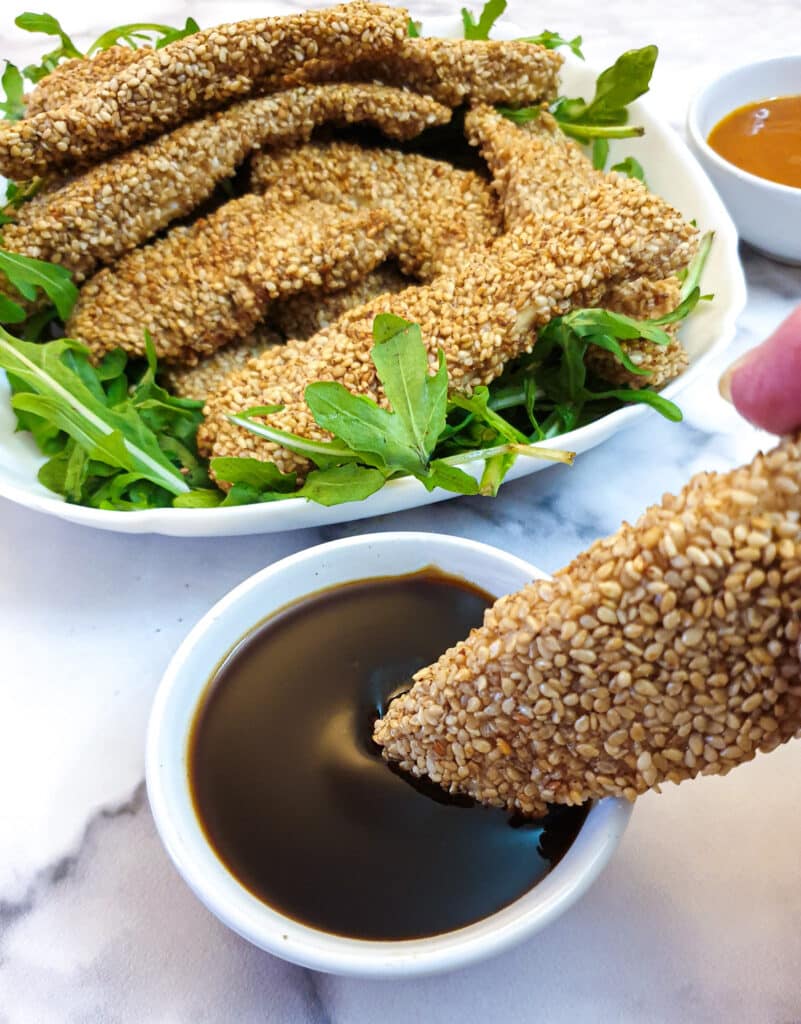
x=139, y=33
x=28, y=276
x=12, y=107
x=47, y=25
x=630, y=167
x=622, y=83
x=553, y=40
x=132, y=436
x=413, y=28
x=481, y=29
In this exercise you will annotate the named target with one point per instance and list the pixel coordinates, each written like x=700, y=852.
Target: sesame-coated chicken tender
x=665, y=651
x=302, y=315
x=437, y=212
x=534, y=168
x=483, y=314
x=539, y=168
x=77, y=77
x=453, y=70
x=199, y=380
x=95, y=217
x=204, y=71
x=210, y=283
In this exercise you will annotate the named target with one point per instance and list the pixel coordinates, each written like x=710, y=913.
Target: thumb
x=765, y=385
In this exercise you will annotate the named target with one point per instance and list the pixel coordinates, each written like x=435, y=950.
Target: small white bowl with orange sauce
x=745, y=129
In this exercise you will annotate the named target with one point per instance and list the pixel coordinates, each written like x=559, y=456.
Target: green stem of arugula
x=531, y=450
x=696, y=267
x=587, y=132
x=293, y=442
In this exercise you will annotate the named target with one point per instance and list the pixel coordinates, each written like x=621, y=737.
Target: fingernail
x=724, y=384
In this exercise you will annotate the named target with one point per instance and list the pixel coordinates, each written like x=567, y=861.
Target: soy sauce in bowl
x=296, y=801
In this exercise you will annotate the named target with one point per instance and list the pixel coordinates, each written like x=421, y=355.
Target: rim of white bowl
x=694, y=128
x=291, y=940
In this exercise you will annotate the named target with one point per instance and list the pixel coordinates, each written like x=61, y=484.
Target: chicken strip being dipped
x=208, y=284
x=666, y=650
x=438, y=213
x=159, y=89
x=95, y=217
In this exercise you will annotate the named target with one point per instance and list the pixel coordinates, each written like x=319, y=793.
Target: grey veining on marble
x=698, y=918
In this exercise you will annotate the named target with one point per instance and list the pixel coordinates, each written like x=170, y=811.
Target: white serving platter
x=672, y=172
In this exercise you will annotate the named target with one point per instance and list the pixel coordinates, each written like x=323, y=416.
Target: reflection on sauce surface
x=296, y=800
x=763, y=138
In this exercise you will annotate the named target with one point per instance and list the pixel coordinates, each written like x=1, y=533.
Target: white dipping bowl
x=178, y=697
x=766, y=213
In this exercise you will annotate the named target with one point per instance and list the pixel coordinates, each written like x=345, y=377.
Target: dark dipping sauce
x=296, y=800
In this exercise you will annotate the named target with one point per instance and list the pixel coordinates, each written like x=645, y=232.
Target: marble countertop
x=698, y=917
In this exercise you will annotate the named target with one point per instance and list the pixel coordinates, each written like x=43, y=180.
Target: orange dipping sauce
x=763, y=138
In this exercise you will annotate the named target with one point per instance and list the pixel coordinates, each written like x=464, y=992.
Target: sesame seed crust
x=453, y=70
x=437, y=212
x=95, y=217
x=662, y=652
x=197, y=381
x=482, y=314
x=77, y=77
x=161, y=88
x=302, y=315
x=534, y=168
x=210, y=283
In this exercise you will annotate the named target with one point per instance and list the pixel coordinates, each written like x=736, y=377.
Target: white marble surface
x=697, y=919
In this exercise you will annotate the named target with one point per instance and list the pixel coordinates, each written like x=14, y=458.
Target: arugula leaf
x=364, y=427
x=631, y=168
x=449, y=478
x=57, y=394
x=662, y=405
x=600, y=153
x=417, y=399
x=617, y=86
x=200, y=497
x=692, y=277
x=481, y=29
x=17, y=193
x=148, y=33
x=520, y=115
x=341, y=484
x=10, y=312
x=27, y=274
x=553, y=40
x=263, y=476
x=13, y=106
x=49, y=26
